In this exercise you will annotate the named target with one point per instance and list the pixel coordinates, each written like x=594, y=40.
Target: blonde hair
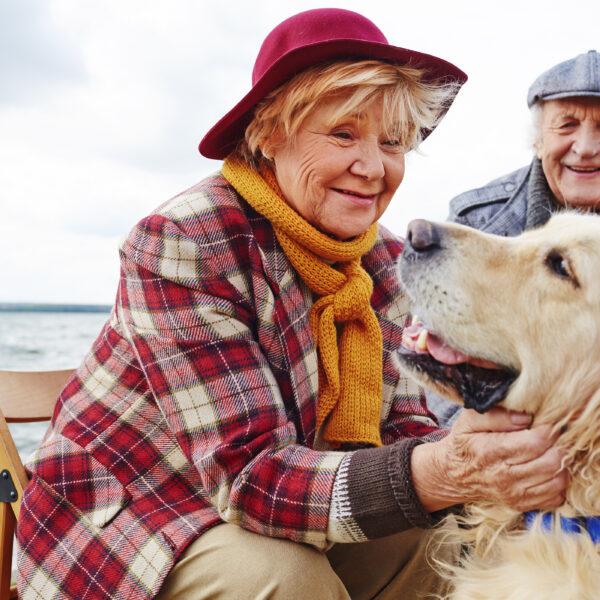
x=411, y=105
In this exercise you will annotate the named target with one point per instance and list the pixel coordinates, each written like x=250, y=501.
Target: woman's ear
x=268, y=148
x=272, y=145
x=266, y=151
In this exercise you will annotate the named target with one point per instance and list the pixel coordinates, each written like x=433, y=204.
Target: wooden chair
x=25, y=397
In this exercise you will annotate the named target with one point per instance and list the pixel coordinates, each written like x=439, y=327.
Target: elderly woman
x=240, y=428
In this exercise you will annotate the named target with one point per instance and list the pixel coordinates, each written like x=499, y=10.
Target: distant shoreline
x=40, y=307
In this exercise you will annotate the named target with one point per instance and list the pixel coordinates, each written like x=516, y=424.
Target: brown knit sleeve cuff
x=381, y=493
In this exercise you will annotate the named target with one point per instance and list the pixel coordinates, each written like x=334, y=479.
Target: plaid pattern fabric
x=195, y=405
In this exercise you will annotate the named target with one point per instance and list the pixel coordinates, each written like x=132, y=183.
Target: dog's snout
x=423, y=235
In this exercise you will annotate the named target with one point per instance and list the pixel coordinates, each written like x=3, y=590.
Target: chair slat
x=28, y=396
x=25, y=396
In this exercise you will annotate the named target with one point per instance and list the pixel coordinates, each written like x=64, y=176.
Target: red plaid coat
x=196, y=404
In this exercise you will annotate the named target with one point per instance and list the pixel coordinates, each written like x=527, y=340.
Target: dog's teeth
x=415, y=320
x=422, y=340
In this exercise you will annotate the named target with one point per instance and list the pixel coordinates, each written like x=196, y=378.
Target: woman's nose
x=368, y=162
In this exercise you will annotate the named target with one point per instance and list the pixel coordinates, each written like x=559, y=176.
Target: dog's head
x=511, y=320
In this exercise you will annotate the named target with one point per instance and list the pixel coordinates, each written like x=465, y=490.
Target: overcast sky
x=103, y=103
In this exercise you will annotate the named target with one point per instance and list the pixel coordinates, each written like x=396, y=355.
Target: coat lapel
x=286, y=335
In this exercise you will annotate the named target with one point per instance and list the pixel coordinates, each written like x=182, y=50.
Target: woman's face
x=340, y=177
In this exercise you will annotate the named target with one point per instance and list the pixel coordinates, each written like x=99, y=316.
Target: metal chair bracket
x=8, y=491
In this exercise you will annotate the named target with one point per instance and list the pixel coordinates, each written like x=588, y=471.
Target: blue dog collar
x=568, y=524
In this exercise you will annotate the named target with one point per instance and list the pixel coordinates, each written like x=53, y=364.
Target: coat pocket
x=80, y=479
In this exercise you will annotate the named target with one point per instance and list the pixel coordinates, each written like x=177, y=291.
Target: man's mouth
x=583, y=169
x=479, y=382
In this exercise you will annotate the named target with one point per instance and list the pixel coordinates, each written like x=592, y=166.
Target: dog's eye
x=558, y=264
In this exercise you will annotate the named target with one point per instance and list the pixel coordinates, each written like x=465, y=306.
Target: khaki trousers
x=228, y=562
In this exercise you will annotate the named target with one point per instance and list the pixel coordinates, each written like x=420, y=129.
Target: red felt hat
x=305, y=40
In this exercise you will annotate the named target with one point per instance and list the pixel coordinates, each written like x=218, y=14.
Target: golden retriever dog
x=516, y=322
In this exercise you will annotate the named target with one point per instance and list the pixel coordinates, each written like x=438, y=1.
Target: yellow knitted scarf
x=350, y=372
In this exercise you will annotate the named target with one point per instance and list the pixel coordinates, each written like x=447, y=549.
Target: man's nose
x=587, y=141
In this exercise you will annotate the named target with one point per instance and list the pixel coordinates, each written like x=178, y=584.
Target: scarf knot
x=352, y=299
x=351, y=359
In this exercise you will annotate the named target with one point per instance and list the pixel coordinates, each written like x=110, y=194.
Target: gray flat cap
x=579, y=76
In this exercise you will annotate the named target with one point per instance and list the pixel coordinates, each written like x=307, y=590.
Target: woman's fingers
x=493, y=446
x=547, y=495
x=496, y=419
x=523, y=446
x=538, y=483
x=497, y=458
x=493, y=457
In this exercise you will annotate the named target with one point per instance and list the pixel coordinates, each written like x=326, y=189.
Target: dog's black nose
x=422, y=235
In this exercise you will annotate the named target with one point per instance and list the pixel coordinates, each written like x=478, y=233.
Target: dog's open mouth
x=480, y=383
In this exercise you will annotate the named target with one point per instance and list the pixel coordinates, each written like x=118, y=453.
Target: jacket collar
x=540, y=200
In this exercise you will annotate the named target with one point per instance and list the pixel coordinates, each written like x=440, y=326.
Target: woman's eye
x=393, y=143
x=343, y=135
x=557, y=264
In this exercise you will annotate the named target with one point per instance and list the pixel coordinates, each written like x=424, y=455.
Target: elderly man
x=565, y=173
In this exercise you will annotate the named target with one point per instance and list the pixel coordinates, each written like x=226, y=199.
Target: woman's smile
x=357, y=198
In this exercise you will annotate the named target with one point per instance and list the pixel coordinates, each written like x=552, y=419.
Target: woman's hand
x=491, y=457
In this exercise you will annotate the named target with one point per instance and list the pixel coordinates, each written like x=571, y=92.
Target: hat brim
x=562, y=95
x=228, y=131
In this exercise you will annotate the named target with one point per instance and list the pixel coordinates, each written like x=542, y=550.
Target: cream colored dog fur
x=532, y=305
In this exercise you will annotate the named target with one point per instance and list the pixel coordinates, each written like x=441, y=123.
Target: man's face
x=570, y=150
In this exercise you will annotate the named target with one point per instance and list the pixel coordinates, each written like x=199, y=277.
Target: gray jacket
x=498, y=207
x=505, y=206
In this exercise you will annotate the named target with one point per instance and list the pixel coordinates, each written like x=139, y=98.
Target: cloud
x=57, y=267
x=102, y=106
x=34, y=59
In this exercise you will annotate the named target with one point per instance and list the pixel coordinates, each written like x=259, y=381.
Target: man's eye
x=568, y=125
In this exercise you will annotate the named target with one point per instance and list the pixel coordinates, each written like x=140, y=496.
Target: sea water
x=44, y=341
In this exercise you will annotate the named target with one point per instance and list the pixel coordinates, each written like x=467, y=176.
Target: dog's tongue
x=442, y=352
x=418, y=338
